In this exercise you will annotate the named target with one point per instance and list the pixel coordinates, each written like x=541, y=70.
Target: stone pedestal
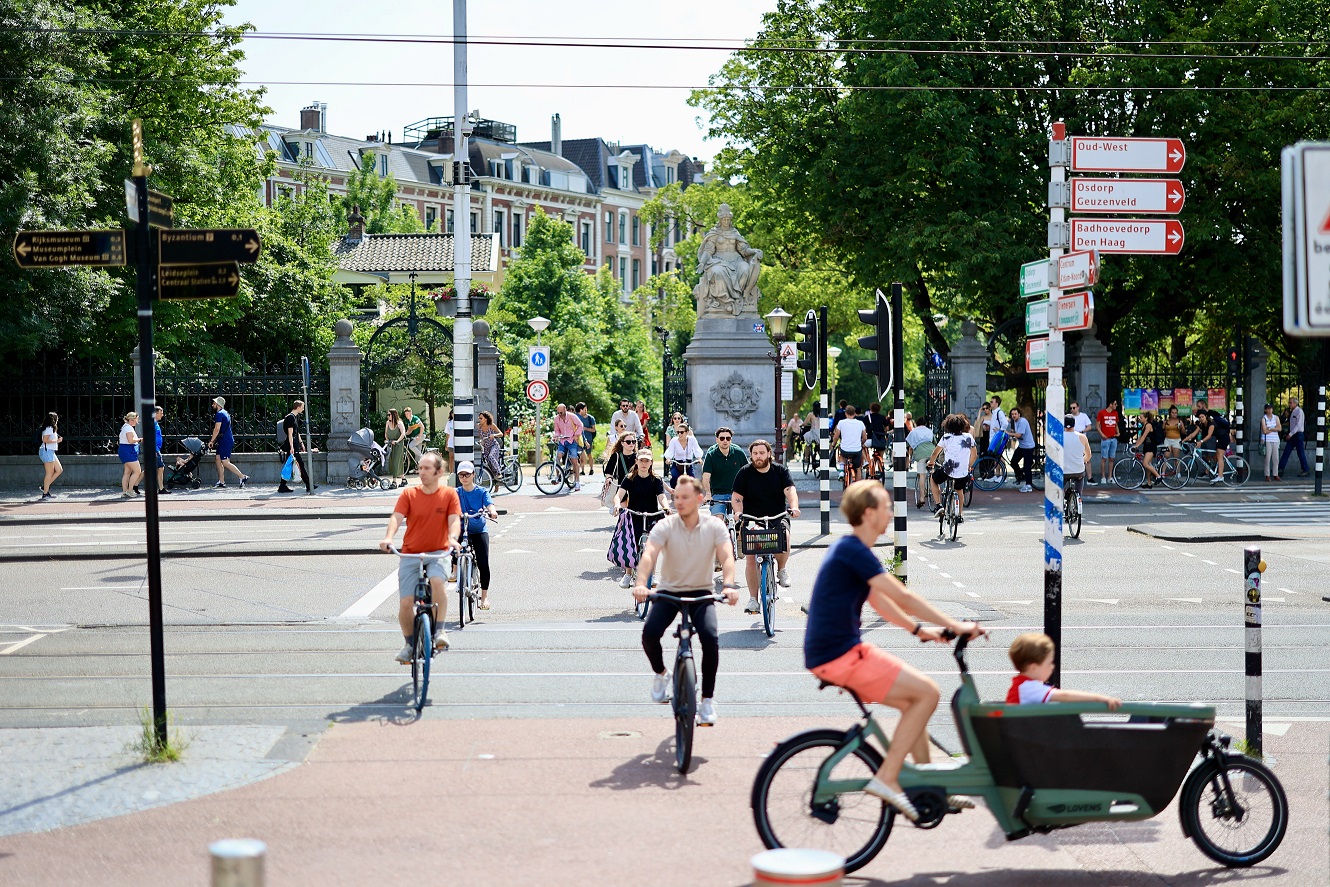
x=1090, y=388
x=344, y=393
x=731, y=380
x=487, y=370
x=969, y=372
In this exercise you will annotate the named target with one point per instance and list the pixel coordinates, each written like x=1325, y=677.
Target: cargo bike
x=1037, y=767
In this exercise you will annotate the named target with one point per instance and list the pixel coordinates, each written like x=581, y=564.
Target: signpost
x=1159, y=196
x=1077, y=270
x=161, y=208
x=64, y=249
x=538, y=362
x=194, y=246
x=1034, y=278
x=216, y=280
x=1075, y=311
x=1091, y=154
x=1036, y=318
x=537, y=391
x=1141, y=237
x=1036, y=355
x=1306, y=183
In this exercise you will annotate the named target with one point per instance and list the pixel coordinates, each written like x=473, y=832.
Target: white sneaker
x=706, y=713
x=577, y=488
x=660, y=687
x=440, y=639
x=752, y=606
x=405, y=655
x=626, y=581
x=1216, y=480
x=783, y=578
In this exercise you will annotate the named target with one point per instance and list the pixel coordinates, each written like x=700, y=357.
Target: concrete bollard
x=788, y=866
x=237, y=862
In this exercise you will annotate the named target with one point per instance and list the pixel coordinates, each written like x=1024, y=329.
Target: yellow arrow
x=252, y=245
x=24, y=249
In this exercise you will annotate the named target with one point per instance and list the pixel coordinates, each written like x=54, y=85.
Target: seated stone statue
x=729, y=269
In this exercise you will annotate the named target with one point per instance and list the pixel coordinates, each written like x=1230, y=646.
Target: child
x=1032, y=655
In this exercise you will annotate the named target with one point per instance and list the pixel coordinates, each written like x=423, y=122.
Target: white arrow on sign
x=1076, y=311
x=1128, y=236
x=1077, y=270
x=1159, y=196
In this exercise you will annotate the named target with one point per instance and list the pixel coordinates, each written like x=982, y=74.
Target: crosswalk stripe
x=1276, y=513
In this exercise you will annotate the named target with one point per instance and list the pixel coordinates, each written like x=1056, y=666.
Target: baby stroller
x=184, y=472
x=366, y=459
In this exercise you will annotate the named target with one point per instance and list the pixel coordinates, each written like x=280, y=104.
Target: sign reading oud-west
x=65, y=249
x=1091, y=154
x=1128, y=236
x=1159, y=196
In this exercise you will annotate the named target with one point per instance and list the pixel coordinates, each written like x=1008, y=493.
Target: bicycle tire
x=769, y=598
x=921, y=490
x=549, y=478
x=854, y=826
x=421, y=658
x=685, y=712
x=1129, y=474
x=989, y=472
x=1172, y=473
x=512, y=475
x=463, y=587
x=969, y=495
x=954, y=513
x=1202, y=793
x=641, y=607
x=485, y=479
x=1238, y=471
x=1074, y=516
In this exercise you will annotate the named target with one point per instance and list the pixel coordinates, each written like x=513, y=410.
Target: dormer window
x=671, y=175
x=625, y=178
x=383, y=166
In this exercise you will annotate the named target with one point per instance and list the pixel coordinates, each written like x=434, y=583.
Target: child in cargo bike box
x=1032, y=655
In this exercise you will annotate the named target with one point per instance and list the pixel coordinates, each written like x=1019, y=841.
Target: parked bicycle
x=510, y=475
x=422, y=651
x=683, y=699
x=557, y=473
x=764, y=537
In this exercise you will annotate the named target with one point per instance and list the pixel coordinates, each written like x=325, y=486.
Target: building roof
x=392, y=258
x=592, y=156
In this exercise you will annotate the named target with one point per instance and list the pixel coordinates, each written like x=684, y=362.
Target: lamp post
x=778, y=324
x=539, y=324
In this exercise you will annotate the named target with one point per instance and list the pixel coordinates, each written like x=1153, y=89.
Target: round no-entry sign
x=537, y=391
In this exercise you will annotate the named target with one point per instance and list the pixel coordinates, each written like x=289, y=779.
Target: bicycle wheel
x=921, y=490
x=641, y=607
x=549, y=478
x=685, y=712
x=512, y=475
x=1129, y=474
x=969, y=495
x=463, y=588
x=484, y=479
x=420, y=660
x=989, y=473
x=1240, y=828
x=1236, y=471
x=954, y=514
x=854, y=825
x=1172, y=473
x=1074, y=515
x=769, y=597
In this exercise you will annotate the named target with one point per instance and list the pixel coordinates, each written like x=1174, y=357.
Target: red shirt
x=1108, y=425
x=427, y=517
x=1027, y=690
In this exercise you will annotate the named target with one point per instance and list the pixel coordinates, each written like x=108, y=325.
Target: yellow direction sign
x=193, y=246
x=65, y=249
x=216, y=280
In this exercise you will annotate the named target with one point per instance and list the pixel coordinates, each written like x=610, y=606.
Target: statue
x=729, y=268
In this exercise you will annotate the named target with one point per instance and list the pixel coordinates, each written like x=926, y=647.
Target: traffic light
x=808, y=348
x=879, y=318
x=1234, y=361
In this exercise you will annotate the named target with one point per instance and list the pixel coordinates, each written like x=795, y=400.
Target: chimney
x=355, y=225
x=556, y=135
x=314, y=117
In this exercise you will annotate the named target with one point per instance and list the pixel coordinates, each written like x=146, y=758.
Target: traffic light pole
x=899, y=471
x=823, y=426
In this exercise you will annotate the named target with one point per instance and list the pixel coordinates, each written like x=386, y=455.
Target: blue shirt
x=157, y=426
x=476, y=499
x=838, y=600
x=224, y=436
x=1022, y=427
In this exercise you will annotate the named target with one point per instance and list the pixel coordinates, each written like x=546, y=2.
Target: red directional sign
x=1160, y=237
x=1077, y=270
x=1090, y=154
x=1076, y=311
x=1162, y=196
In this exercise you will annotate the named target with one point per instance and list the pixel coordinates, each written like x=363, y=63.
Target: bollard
x=1320, y=437
x=1252, y=568
x=788, y=866
x=237, y=862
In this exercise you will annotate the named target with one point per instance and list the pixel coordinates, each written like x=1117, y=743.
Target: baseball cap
x=466, y=468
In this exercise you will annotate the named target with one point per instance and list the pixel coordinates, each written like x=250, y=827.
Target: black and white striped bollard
x=1252, y=568
x=1320, y=437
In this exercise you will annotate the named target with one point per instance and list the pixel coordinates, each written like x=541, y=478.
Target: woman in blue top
x=834, y=649
x=477, y=499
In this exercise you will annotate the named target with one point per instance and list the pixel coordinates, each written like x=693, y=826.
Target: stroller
x=366, y=459
x=184, y=473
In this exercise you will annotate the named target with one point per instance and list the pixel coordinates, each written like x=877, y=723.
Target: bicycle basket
x=759, y=540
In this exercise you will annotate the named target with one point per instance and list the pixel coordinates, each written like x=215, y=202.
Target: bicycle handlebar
x=765, y=519
x=679, y=599
x=645, y=513
x=423, y=555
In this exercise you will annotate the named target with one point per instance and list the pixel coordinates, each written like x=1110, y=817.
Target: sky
x=525, y=81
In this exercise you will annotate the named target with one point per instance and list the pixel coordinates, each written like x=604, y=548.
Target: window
x=518, y=219
x=637, y=273
x=623, y=273
x=475, y=222
x=498, y=227
x=609, y=227
x=625, y=178
x=309, y=149
x=383, y=166
x=431, y=216
x=637, y=231
x=448, y=221
x=671, y=175
x=623, y=227
x=586, y=238
x=655, y=266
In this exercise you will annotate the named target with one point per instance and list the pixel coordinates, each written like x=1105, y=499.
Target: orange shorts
x=867, y=670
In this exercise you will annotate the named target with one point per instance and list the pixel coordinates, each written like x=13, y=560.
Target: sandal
x=896, y=799
x=484, y=605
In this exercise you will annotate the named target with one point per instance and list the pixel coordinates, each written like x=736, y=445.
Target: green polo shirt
x=723, y=468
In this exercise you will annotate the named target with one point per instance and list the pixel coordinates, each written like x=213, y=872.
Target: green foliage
x=377, y=198
x=148, y=746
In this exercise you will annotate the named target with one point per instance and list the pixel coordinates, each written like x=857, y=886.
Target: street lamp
x=539, y=324
x=778, y=324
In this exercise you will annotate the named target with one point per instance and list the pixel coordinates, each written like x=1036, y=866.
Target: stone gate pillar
x=969, y=372
x=487, y=370
x=344, y=393
x=1091, y=361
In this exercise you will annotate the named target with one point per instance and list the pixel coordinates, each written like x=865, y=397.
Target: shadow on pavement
x=650, y=770
x=391, y=708
x=1074, y=878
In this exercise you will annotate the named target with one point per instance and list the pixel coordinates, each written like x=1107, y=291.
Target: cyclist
x=852, y=435
x=877, y=439
x=641, y=491
x=628, y=416
x=681, y=451
x=1213, y=432
x=588, y=438
x=953, y=457
x=920, y=444
x=415, y=433
x=689, y=540
x=719, y=468
x=474, y=499
x=835, y=651
x=1075, y=457
x=568, y=436
x=764, y=488
x=433, y=516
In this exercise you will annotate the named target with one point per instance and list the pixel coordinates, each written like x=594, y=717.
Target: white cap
x=466, y=468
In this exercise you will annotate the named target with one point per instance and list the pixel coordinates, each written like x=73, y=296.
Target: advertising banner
x=1150, y=400
x=1165, y=399
x=1131, y=401
x=1217, y=399
x=1182, y=399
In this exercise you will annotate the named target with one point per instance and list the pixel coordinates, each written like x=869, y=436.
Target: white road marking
x=588, y=551
x=555, y=508
x=1268, y=598
x=958, y=585
x=518, y=551
x=370, y=600
x=1097, y=600
x=1015, y=603
x=1288, y=591
x=971, y=593
x=1186, y=554
x=1231, y=570
x=21, y=644
x=1169, y=547
x=1185, y=600
x=933, y=566
x=1212, y=563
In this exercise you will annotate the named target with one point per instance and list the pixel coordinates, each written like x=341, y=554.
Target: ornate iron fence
x=92, y=400
x=937, y=395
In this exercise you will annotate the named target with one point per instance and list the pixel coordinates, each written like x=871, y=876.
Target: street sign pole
x=463, y=357
x=898, y=469
x=1054, y=405
x=146, y=277
x=823, y=427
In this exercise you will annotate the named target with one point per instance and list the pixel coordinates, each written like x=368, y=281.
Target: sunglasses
x=464, y=474
x=629, y=440
x=726, y=437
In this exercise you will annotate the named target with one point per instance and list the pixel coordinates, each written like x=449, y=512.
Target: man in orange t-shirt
x=433, y=516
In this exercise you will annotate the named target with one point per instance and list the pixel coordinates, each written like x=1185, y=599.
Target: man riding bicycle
x=690, y=542
x=764, y=488
x=1075, y=457
x=568, y=435
x=852, y=435
x=433, y=516
x=719, y=468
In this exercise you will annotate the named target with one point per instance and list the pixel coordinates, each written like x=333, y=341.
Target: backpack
x=1220, y=423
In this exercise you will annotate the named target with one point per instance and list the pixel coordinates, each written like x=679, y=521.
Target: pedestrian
x=415, y=433
x=475, y=500
x=1022, y=459
x=985, y=423
x=1297, y=437
x=394, y=437
x=294, y=445
x=617, y=430
x=1173, y=431
x=1110, y=424
x=1083, y=424
x=449, y=438
x=158, y=413
x=129, y=457
x=628, y=416
x=643, y=423
x=47, y=450
x=1149, y=440
x=1270, y=429
x=588, y=437
x=998, y=419
x=223, y=443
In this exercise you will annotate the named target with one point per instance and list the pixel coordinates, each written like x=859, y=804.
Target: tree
x=376, y=195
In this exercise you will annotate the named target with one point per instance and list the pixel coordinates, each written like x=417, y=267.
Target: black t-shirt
x=763, y=492
x=619, y=466
x=643, y=492
x=291, y=431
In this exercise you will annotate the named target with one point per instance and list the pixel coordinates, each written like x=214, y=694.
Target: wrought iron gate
x=937, y=392
x=674, y=385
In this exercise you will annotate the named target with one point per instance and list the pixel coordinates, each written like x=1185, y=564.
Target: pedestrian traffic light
x=1234, y=361
x=808, y=348
x=879, y=318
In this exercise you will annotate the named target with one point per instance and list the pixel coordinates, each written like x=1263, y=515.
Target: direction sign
x=217, y=280
x=538, y=362
x=537, y=391
x=1128, y=236
x=1306, y=180
x=1036, y=318
x=1078, y=270
x=1036, y=355
x=1090, y=154
x=161, y=207
x=1034, y=278
x=1160, y=196
x=64, y=249
x=193, y=246
x=1076, y=311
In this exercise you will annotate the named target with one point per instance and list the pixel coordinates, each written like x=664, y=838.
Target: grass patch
x=150, y=748
x=1246, y=748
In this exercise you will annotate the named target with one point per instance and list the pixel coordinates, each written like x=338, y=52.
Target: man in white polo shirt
x=852, y=434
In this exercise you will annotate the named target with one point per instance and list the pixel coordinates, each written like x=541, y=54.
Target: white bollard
x=789, y=865
x=237, y=862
